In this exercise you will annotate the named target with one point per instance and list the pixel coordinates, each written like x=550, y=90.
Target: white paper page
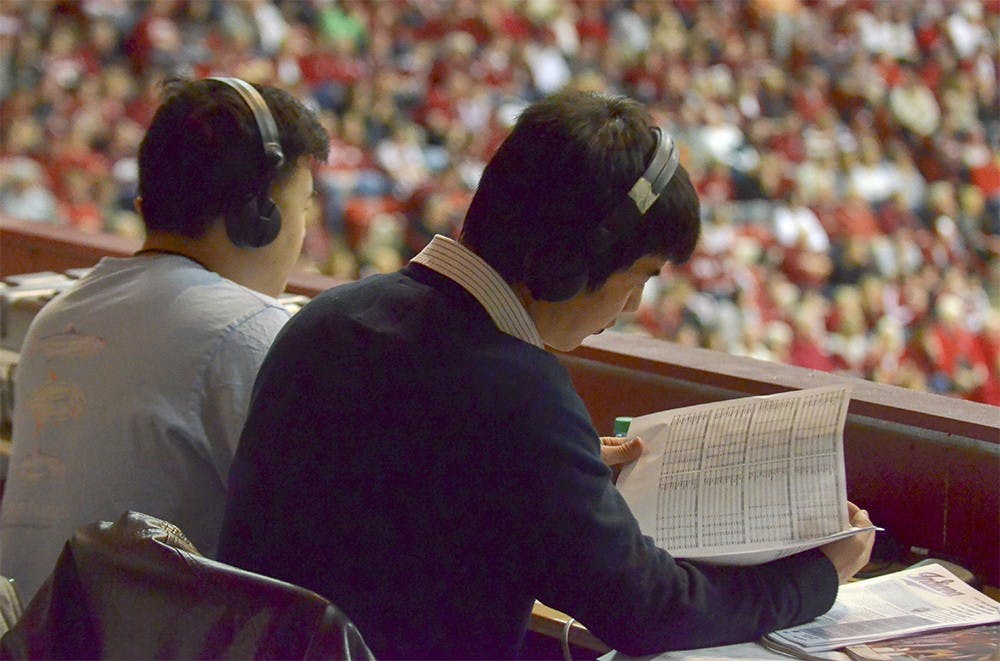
x=737, y=652
x=758, y=473
x=911, y=601
x=756, y=554
x=743, y=652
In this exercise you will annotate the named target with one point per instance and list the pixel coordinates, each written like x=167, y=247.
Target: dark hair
x=202, y=155
x=569, y=161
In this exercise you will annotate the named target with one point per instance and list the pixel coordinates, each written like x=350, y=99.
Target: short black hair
x=570, y=159
x=202, y=155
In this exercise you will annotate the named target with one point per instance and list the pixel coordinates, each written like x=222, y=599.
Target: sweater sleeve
x=590, y=560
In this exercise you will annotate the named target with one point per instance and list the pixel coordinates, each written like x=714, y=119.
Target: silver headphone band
x=651, y=184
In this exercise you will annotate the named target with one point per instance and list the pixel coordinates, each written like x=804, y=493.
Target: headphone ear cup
x=269, y=222
x=255, y=224
x=555, y=274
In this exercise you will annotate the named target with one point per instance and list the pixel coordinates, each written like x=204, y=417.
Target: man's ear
x=137, y=204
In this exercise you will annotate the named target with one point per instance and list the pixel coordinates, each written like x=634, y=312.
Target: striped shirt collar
x=456, y=262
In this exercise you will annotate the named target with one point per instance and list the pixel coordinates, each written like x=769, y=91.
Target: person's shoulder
x=202, y=302
x=392, y=305
x=511, y=365
x=212, y=295
x=377, y=285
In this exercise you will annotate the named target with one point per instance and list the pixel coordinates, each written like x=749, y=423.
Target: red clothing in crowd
x=989, y=348
x=987, y=177
x=953, y=344
x=805, y=352
x=855, y=218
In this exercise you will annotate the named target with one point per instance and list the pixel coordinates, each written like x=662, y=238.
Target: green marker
x=622, y=423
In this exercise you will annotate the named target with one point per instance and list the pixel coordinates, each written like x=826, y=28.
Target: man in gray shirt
x=132, y=387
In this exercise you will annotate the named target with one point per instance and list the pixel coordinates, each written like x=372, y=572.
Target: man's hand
x=617, y=451
x=852, y=553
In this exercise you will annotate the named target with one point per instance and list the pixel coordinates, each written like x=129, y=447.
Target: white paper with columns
x=742, y=481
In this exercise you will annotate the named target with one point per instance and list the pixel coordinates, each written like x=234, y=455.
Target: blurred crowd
x=847, y=152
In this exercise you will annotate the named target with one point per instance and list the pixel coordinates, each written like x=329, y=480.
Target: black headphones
x=257, y=221
x=557, y=272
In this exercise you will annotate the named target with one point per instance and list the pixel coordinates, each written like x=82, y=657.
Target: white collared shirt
x=456, y=262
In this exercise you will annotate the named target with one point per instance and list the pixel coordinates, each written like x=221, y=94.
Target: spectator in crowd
x=178, y=330
x=24, y=192
x=914, y=106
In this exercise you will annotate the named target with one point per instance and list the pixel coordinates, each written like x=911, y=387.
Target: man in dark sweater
x=415, y=454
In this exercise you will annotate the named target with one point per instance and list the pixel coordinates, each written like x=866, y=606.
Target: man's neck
x=215, y=252
x=193, y=249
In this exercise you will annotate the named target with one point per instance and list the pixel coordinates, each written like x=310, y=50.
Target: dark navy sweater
x=433, y=476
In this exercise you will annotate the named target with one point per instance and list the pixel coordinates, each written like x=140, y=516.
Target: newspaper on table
x=915, y=600
x=743, y=481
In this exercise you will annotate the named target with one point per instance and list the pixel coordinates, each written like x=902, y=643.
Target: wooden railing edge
x=723, y=375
